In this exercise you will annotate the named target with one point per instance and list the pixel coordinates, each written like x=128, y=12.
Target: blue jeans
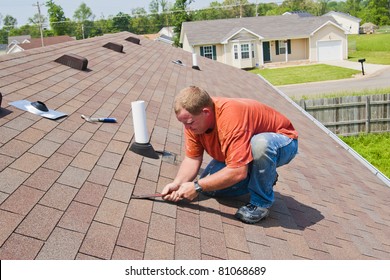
x=269, y=150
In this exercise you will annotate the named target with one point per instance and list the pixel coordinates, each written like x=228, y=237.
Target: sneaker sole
x=249, y=221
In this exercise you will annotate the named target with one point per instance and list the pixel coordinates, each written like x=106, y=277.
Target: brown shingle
x=100, y=240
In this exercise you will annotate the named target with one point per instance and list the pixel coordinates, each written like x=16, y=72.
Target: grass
x=304, y=74
x=375, y=48
x=373, y=148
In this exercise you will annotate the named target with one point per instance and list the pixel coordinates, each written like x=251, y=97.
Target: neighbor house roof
x=47, y=41
x=343, y=15
x=66, y=184
x=267, y=27
x=19, y=39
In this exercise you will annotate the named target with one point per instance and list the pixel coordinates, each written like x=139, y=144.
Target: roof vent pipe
x=73, y=61
x=195, y=62
x=133, y=40
x=141, y=145
x=114, y=46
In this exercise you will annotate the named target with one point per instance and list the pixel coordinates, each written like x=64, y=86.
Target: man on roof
x=247, y=141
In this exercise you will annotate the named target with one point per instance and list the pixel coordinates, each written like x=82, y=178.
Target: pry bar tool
x=108, y=120
x=146, y=196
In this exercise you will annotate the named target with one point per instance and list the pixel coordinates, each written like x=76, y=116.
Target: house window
x=209, y=52
x=244, y=51
x=235, y=51
x=253, y=50
x=282, y=47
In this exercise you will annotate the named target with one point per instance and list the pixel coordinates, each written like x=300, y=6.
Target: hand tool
x=109, y=120
x=146, y=196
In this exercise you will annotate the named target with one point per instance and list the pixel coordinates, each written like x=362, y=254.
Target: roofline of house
x=344, y=15
x=225, y=41
x=356, y=155
x=326, y=23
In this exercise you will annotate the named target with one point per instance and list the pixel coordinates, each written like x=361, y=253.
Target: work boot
x=251, y=214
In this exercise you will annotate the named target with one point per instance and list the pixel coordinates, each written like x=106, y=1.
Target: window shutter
x=201, y=51
x=277, y=47
x=214, y=53
x=289, y=46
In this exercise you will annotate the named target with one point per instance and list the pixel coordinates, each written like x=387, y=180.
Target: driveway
x=376, y=76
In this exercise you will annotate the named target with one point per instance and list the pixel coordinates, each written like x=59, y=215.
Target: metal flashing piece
x=133, y=40
x=38, y=108
x=73, y=61
x=114, y=46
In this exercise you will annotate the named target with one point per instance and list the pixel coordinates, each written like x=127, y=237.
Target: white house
x=254, y=41
x=348, y=22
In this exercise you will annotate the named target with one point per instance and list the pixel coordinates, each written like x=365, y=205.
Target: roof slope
x=66, y=185
x=268, y=27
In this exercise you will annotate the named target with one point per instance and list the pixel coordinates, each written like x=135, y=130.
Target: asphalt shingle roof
x=66, y=185
x=268, y=27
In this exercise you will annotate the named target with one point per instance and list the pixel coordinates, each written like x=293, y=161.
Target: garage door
x=329, y=50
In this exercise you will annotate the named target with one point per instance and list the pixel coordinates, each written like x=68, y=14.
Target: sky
x=22, y=10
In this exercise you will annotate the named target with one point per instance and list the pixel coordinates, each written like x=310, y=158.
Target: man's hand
x=170, y=192
x=175, y=193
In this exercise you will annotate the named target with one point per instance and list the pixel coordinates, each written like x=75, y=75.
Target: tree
x=121, y=22
x=9, y=22
x=84, y=17
x=377, y=12
x=180, y=15
x=139, y=22
x=58, y=21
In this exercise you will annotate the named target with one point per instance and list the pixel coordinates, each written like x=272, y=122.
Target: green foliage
x=375, y=48
x=374, y=148
x=121, y=22
x=180, y=16
x=57, y=19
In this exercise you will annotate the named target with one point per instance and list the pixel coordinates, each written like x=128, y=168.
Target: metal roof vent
x=114, y=46
x=73, y=61
x=133, y=40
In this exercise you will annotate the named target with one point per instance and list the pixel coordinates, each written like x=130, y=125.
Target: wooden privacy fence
x=351, y=115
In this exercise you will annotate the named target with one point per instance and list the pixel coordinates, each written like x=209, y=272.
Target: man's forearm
x=224, y=178
x=188, y=170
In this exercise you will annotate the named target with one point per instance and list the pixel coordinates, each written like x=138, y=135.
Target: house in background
x=16, y=40
x=252, y=42
x=368, y=28
x=348, y=22
x=33, y=43
x=165, y=35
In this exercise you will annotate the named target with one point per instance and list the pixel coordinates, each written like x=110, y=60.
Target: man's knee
x=259, y=146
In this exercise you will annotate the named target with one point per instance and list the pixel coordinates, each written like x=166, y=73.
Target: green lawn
x=374, y=148
x=304, y=74
x=375, y=48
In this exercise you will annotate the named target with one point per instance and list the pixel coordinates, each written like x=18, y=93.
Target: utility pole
x=39, y=21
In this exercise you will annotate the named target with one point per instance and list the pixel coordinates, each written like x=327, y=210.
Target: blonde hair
x=193, y=99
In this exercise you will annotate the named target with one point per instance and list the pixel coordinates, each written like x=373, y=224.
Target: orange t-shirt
x=237, y=120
